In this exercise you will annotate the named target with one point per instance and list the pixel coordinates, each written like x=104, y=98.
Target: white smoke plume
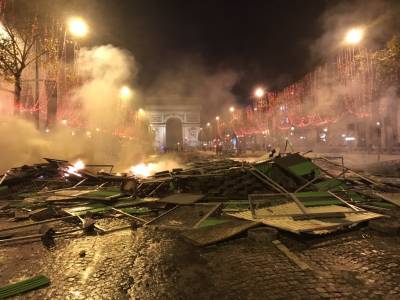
x=190, y=82
x=104, y=70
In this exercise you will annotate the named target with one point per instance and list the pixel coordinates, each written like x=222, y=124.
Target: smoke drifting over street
x=104, y=70
x=190, y=82
x=89, y=134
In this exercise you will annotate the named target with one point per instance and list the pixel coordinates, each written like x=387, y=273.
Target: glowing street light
x=208, y=124
x=259, y=92
x=125, y=92
x=354, y=36
x=231, y=109
x=217, y=118
x=78, y=27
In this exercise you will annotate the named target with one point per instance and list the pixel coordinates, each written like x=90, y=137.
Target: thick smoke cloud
x=378, y=17
x=104, y=70
x=342, y=86
x=190, y=82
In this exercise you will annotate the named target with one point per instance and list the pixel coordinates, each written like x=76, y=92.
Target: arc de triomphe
x=174, y=124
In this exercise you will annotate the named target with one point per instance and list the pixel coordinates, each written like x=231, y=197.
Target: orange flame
x=143, y=170
x=79, y=165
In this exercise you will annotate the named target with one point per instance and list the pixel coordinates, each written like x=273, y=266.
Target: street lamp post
x=125, y=94
x=217, y=122
x=76, y=28
x=352, y=39
x=379, y=135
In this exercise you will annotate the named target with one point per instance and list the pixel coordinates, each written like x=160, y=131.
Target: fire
x=143, y=170
x=79, y=165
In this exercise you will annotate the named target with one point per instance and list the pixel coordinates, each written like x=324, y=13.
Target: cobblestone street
x=364, y=268
x=156, y=264
x=100, y=272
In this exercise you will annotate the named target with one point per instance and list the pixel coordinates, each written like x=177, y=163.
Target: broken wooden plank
x=290, y=255
x=162, y=215
x=213, y=210
x=353, y=207
x=36, y=223
x=129, y=215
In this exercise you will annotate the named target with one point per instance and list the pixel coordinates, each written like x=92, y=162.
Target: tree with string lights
x=17, y=45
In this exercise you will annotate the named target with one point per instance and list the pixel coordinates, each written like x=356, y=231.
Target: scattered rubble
x=289, y=192
x=205, y=203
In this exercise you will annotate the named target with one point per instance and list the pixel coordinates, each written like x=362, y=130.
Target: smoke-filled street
x=199, y=150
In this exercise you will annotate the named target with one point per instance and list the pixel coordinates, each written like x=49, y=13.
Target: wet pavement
x=92, y=267
x=366, y=267
x=157, y=264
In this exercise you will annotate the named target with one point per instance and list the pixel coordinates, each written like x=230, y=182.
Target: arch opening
x=173, y=134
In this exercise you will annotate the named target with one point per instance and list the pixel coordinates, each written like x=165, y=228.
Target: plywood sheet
x=182, y=198
x=288, y=209
x=393, y=198
x=72, y=193
x=282, y=209
x=299, y=226
x=311, y=225
x=212, y=234
x=183, y=216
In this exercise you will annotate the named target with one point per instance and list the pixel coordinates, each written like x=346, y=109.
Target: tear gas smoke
x=378, y=20
x=104, y=70
x=190, y=82
x=343, y=90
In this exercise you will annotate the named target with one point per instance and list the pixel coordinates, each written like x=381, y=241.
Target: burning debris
x=283, y=189
x=143, y=170
x=206, y=202
x=79, y=165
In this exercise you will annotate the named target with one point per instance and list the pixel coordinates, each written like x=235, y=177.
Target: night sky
x=267, y=42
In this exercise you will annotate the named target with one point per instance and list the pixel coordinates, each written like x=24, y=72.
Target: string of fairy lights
x=341, y=90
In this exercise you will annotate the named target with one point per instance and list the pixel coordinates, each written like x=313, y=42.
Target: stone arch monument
x=161, y=117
